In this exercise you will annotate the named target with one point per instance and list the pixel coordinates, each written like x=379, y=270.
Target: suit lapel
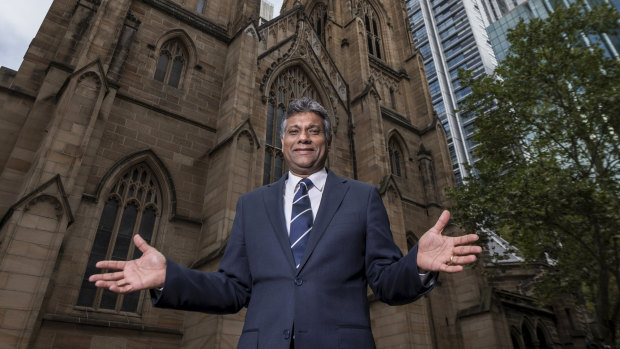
x=333, y=194
x=274, y=206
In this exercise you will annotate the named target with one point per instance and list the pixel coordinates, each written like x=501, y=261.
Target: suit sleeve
x=223, y=292
x=394, y=278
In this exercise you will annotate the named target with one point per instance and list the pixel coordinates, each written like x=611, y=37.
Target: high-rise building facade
x=541, y=9
x=451, y=35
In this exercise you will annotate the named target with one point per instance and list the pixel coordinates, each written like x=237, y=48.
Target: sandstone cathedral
x=154, y=116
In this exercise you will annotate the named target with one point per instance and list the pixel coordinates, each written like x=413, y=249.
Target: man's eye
x=314, y=131
x=293, y=132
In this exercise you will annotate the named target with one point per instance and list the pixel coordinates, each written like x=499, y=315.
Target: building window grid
x=318, y=18
x=132, y=206
x=171, y=63
x=457, y=17
x=462, y=38
x=457, y=39
x=372, y=35
x=465, y=48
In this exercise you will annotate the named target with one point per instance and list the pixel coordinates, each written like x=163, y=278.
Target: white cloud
x=19, y=22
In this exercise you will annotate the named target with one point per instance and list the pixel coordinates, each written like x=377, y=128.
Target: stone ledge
x=112, y=324
x=191, y=18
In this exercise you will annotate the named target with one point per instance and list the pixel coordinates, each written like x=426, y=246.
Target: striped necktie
x=301, y=220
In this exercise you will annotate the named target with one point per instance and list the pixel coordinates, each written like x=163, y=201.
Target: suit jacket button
x=286, y=334
x=299, y=281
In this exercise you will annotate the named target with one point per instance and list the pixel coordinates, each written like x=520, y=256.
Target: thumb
x=441, y=222
x=141, y=243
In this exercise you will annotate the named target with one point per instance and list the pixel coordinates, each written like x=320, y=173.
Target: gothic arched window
x=171, y=62
x=373, y=31
x=318, y=18
x=396, y=158
x=289, y=85
x=132, y=207
x=528, y=338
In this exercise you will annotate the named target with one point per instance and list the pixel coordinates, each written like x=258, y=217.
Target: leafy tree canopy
x=548, y=175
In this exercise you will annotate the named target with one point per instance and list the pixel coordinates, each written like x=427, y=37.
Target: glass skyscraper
x=450, y=35
x=541, y=9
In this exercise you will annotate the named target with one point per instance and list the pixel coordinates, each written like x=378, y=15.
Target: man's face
x=304, y=144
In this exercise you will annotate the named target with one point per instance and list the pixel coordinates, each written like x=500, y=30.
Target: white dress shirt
x=315, y=193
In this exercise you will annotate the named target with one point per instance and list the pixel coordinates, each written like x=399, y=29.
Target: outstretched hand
x=148, y=271
x=437, y=252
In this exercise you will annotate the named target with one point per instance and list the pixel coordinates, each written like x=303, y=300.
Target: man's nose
x=304, y=137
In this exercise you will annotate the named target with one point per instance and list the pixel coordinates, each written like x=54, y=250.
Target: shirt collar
x=318, y=180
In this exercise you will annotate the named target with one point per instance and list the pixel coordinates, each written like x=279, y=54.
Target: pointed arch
x=527, y=333
x=543, y=337
x=135, y=193
x=245, y=149
x=291, y=81
x=175, y=55
x=397, y=153
x=318, y=20
x=160, y=171
x=321, y=94
x=373, y=20
x=427, y=175
x=515, y=338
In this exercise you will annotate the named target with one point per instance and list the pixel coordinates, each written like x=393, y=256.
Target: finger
x=441, y=222
x=121, y=289
x=115, y=265
x=460, y=260
x=452, y=268
x=105, y=284
x=466, y=250
x=107, y=276
x=121, y=283
x=465, y=239
x=140, y=243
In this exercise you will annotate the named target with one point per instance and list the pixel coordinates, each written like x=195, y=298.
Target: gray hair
x=309, y=105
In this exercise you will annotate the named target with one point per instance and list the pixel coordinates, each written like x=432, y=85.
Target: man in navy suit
x=301, y=253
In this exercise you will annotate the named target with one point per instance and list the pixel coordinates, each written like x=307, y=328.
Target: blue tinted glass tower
x=450, y=35
x=541, y=9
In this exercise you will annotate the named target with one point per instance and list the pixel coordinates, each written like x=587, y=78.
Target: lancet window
x=132, y=206
x=373, y=30
x=396, y=158
x=171, y=63
x=318, y=18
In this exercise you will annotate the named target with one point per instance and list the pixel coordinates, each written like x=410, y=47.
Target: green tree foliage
x=548, y=175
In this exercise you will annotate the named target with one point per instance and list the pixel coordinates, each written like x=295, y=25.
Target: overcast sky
x=20, y=20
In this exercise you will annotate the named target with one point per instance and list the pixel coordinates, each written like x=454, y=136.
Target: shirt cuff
x=428, y=279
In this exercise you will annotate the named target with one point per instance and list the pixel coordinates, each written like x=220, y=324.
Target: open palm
x=437, y=252
x=148, y=271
